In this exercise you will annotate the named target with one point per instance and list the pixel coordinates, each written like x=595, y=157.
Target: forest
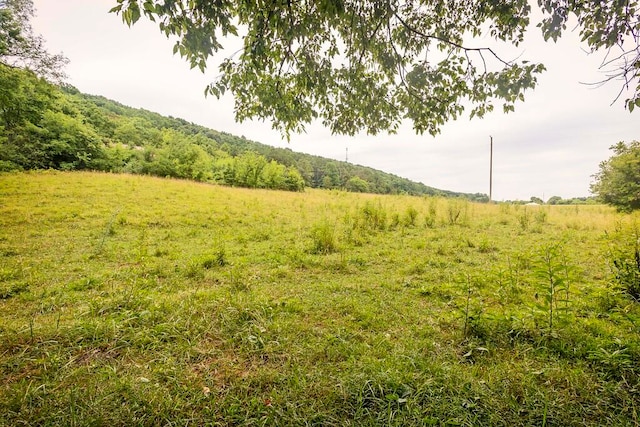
x=48, y=126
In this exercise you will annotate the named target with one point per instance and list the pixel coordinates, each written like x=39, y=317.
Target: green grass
x=128, y=300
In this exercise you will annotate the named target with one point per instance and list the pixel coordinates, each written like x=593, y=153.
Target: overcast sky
x=550, y=146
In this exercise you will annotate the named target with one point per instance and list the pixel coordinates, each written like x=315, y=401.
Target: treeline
x=556, y=200
x=48, y=127
x=44, y=126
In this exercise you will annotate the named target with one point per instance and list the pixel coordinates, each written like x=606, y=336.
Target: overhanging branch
x=451, y=43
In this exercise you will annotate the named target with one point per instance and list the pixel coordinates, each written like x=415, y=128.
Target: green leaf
x=360, y=66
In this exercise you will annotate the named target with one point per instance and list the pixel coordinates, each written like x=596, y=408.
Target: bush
x=357, y=185
x=324, y=239
x=624, y=259
x=373, y=216
x=410, y=217
x=618, y=181
x=626, y=268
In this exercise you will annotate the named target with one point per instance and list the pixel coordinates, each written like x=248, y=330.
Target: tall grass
x=205, y=305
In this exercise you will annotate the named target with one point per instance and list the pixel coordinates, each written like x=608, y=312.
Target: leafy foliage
x=367, y=65
x=20, y=47
x=323, y=235
x=357, y=184
x=40, y=130
x=46, y=126
x=609, y=25
x=553, y=286
x=618, y=181
x=624, y=259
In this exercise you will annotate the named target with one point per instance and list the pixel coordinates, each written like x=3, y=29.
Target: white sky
x=551, y=145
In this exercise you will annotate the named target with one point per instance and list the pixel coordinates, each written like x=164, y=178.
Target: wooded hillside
x=50, y=127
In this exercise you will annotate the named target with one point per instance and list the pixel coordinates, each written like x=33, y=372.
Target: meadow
x=132, y=300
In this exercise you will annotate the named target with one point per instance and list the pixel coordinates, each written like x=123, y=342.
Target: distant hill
x=62, y=128
x=317, y=172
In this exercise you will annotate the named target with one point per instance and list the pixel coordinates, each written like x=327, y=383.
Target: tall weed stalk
x=553, y=286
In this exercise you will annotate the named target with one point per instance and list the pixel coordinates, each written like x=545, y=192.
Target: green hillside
x=44, y=126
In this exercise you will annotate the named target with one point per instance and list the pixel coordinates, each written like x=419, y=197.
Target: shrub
x=410, y=217
x=324, y=239
x=373, y=216
x=430, y=219
x=624, y=260
x=457, y=211
x=524, y=219
x=357, y=185
x=552, y=290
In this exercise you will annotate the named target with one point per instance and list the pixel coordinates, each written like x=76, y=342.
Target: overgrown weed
x=224, y=306
x=324, y=238
x=623, y=255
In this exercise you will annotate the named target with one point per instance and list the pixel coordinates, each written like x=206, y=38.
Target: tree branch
x=449, y=42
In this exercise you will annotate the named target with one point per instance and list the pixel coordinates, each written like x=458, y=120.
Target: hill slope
x=318, y=172
x=44, y=127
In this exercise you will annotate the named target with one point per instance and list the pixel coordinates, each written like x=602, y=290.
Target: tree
x=248, y=167
x=293, y=181
x=40, y=128
x=554, y=200
x=331, y=178
x=357, y=184
x=24, y=99
x=136, y=132
x=536, y=200
x=618, y=181
x=272, y=175
x=20, y=47
x=365, y=65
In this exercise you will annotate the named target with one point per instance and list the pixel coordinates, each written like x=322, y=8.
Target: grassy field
x=128, y=300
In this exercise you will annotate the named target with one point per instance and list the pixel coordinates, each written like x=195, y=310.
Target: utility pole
x=346, y=159
x=491, y=169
